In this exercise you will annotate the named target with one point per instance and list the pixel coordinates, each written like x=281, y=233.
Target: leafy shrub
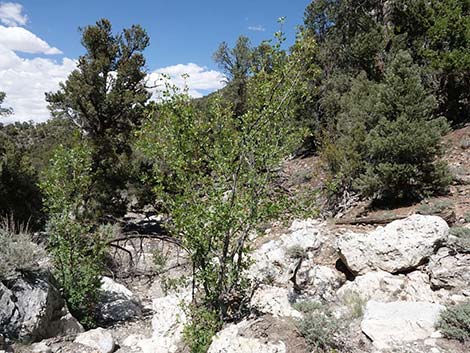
x=159, y=260
x=17, y=251
x=322, y=330
x=203, y=325
x=79, y=257
x=355, y=302
x=307, y=306
x=454, y=322
x=76, y=244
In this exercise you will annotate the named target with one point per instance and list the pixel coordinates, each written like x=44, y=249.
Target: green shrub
x=79, y=256
x=322, y=330
x=17, y=251
x=77, y=245
x=204, y=324
x=454, y=322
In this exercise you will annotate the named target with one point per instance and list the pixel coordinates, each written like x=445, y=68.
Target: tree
x=3, y=111
x=214, y=177
x=105, y=97
x=237, y=65
x=387, y=139
x=438, y=35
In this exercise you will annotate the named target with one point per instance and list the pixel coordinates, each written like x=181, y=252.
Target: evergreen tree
x=387, y=141
x=105, y=97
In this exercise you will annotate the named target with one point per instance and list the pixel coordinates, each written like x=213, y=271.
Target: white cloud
x=200, y=79
x=11, y=14
x=25, y=82
x=20, y=39
x=257, y=28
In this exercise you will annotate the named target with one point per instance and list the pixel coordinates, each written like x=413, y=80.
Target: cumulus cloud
x=11, y=14
x=257, y=28
x=25, y=82
x=199, y=81
x=20, y=39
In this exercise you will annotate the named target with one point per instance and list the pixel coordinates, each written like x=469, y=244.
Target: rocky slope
x=383, y=289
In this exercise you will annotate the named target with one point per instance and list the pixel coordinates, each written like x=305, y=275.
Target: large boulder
x=32, y=308
x=168, y=322
x=117, y=302
x=395, y=323
x=400, y=246
x=319, y=282
x=230, y=340
x=451, y=271
x=273, y=261
x=385, y=287
x=273, y=300
x=99, y=339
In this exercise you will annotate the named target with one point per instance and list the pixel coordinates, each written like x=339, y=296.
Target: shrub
x=203, y=325
x=322, y=330
x=435, y=208
x=296, y=252
x=77, y=245
x=454, y=322
x=462, y=241
x=17, y=251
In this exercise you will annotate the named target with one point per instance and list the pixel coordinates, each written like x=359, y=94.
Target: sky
x=40, y=40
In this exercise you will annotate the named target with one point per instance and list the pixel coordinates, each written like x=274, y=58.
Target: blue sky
x=41, y=35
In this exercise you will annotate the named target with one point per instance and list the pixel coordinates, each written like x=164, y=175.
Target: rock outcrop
x=99, y=339
x=32, y=308
x=230, y=340
x=394, y=323
x=400, y=246
x=450, y=270
x=117, y=303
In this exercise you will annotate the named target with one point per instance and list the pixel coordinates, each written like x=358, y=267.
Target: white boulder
x=168, y=322
x=229, y=340
x=99, y=339
x=118, y=303
x=385, y=287
x=395, y=323
x=401, y=245
x=450, y=270
x=273, y=300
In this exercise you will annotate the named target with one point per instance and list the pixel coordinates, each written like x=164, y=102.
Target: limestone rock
x=450, y=270
x=229, y=340
x=31, y=309
x=118, y=303
x=99, y=339
x=392, y=324
x=168, y=322
x=271, y=262
x=401, y=245
x=275, y=301
x=319, y=282
x=385, y=287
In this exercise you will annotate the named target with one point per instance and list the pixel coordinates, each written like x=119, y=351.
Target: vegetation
x=369, y=86
x=322, y=330
x=105, y=97
x=214, y=175
x=76, y=245
x=454, y=322
x=17, y=251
